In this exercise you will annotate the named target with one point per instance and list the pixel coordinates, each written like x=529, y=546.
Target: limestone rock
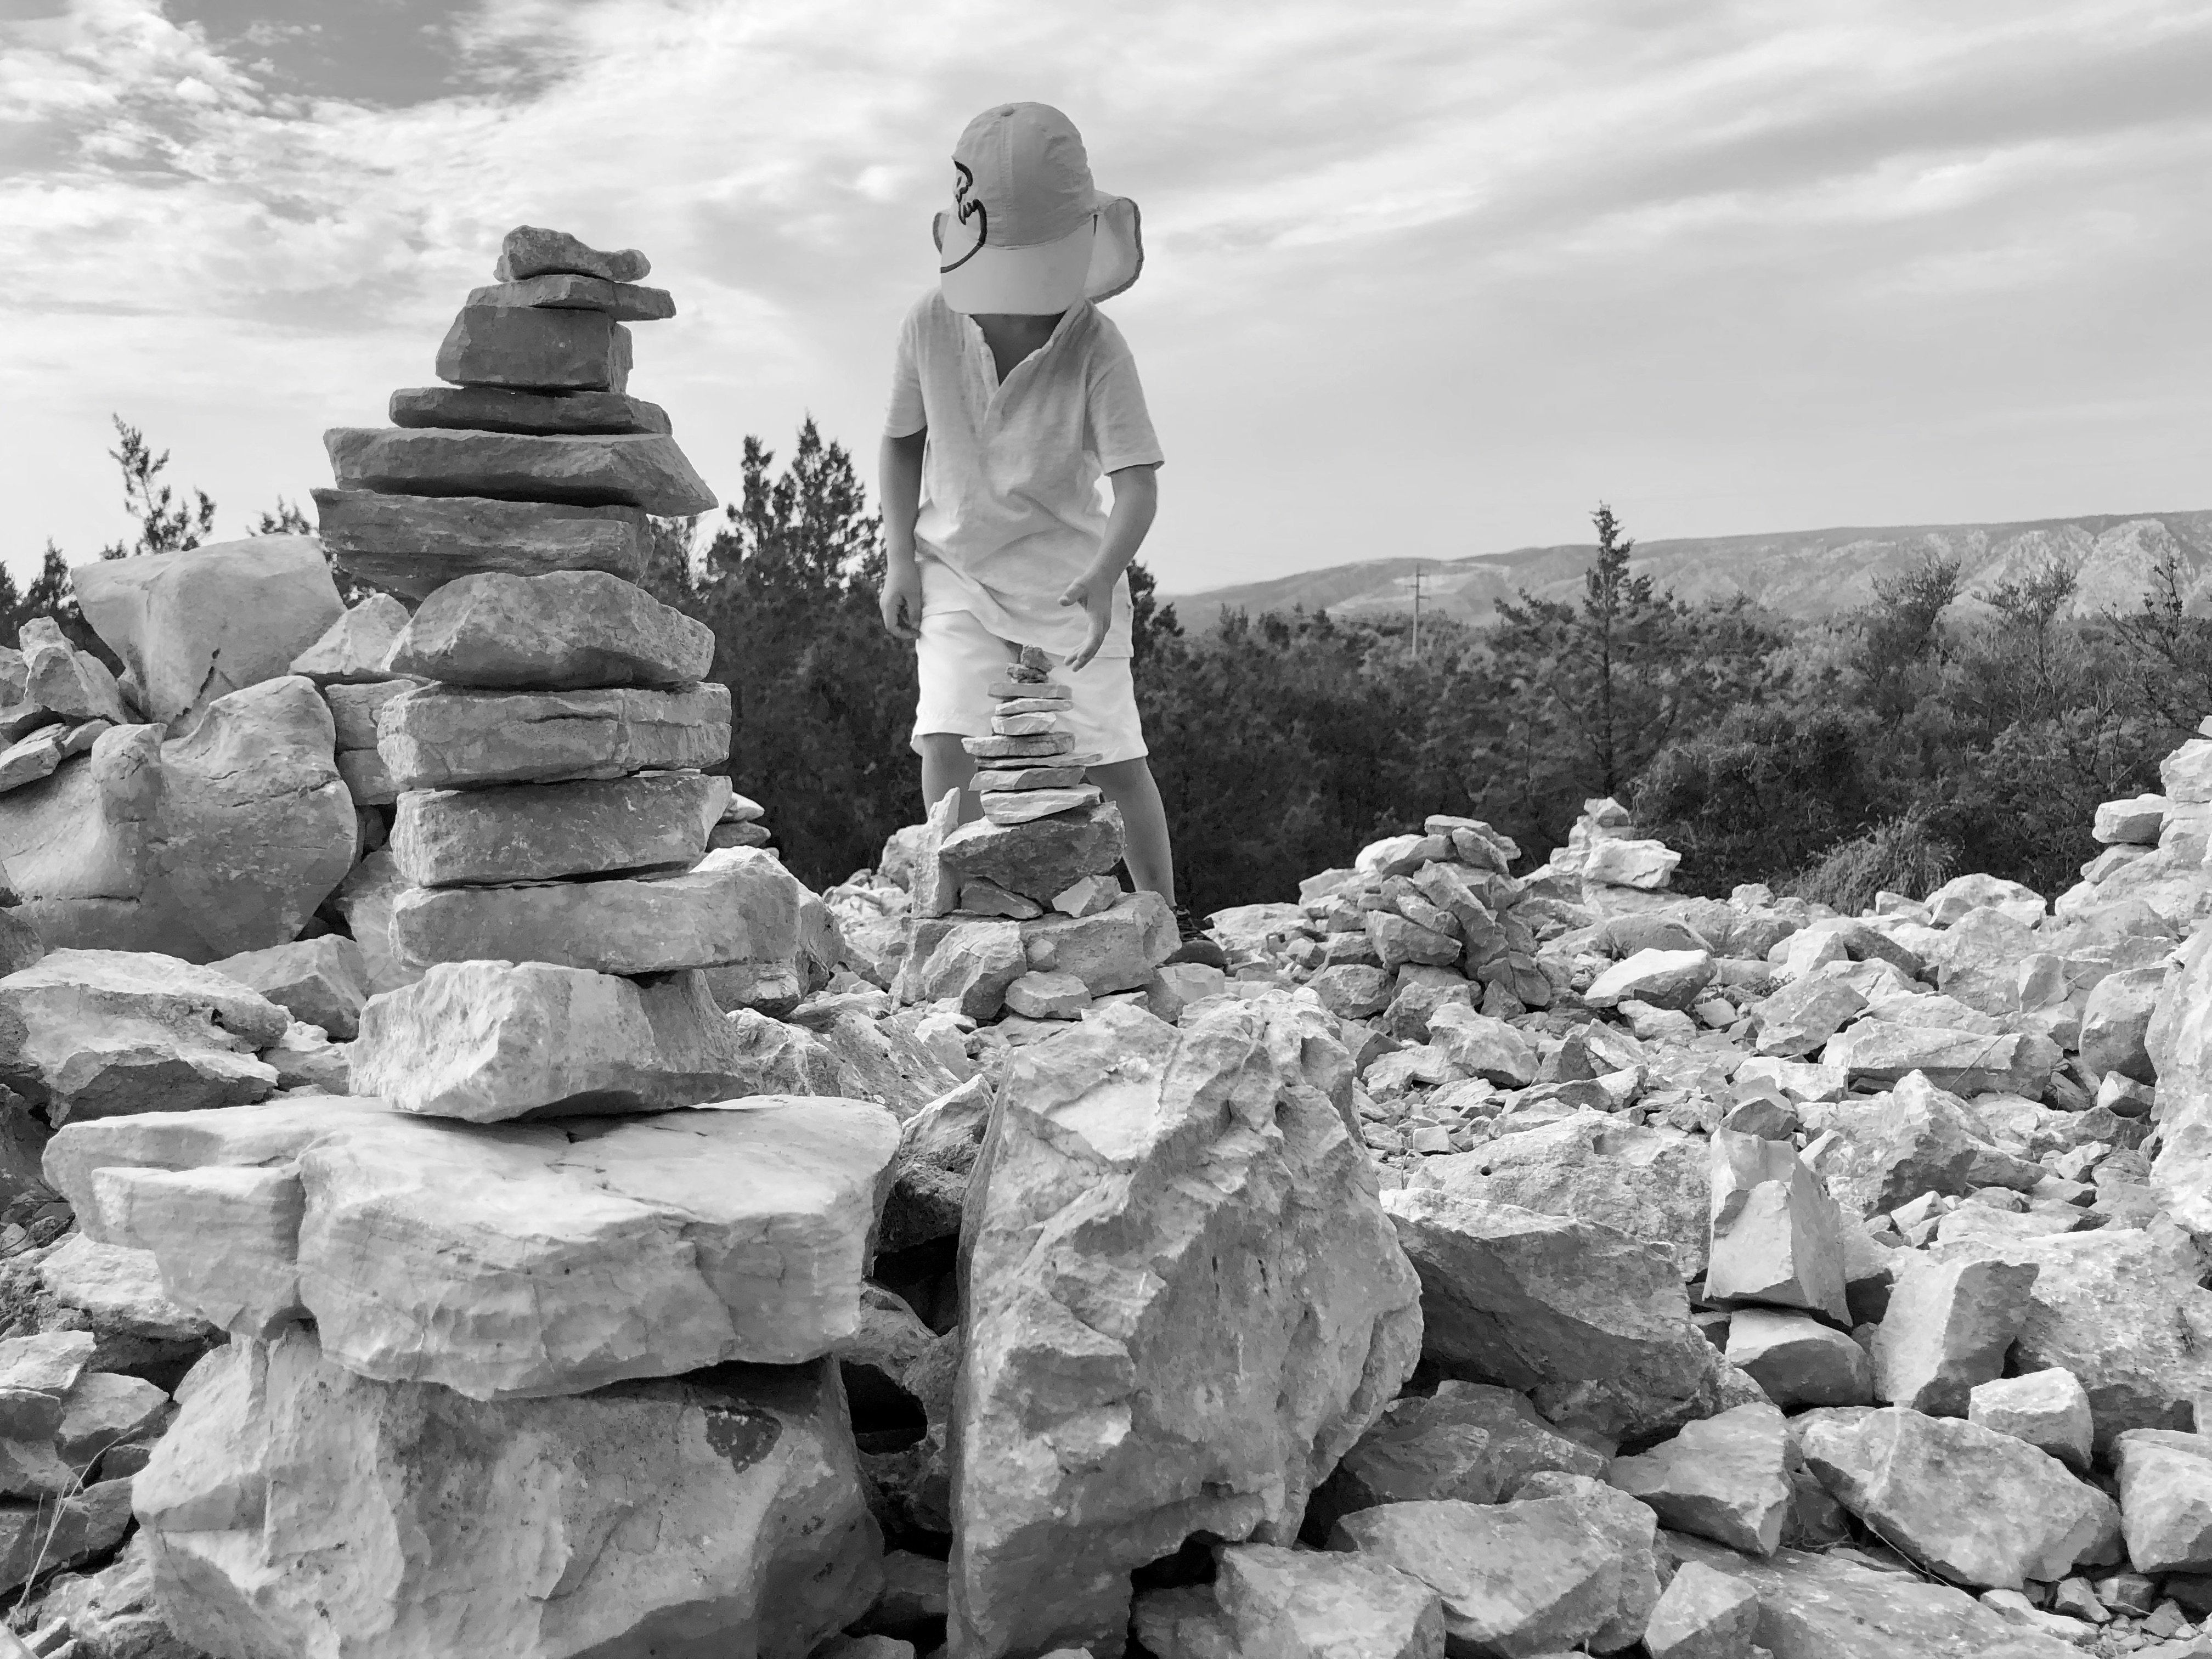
x=626, y=302
x=2132, y=822
x=2122, y=1310
x=1632, y=1530
x=1979, y=1508
x=1038, y=861
x=1486, y=1047
x=37, y=1374
x=1879, y=1053
x=1664, y=979
x=1351, y=990
x=640, y=469
x=537, y=832
x=492, y=408
x=1834, y=1606
x=719, y=1512
x=1725, y=1477
x=1648, y=1182
x=1776, y=1236
x=2179, y=1043
x=1048, y=996
x=1646, y=864
x=1960, y=897
x=94, y=1033
x=194, y=626
x=412, y=545
x=529, y=250
x=1111, y=950
x=963, y=961
x=40, y=1538
x=1704, y=1615
x=936, y=1151
x=1921, y=1138
x=65, y=681
x=2115, y=1024
x=1595, y=1320
x=2166, y=1499
x=1798, y=1020
x=527, y=1259
x=1798, y=1360
x=321, y=982
x=1298, y=1605
x=1442, y=1446
x=1947, y=1329
x=445, y=738
x=531, y=349
x=485, y=1041
x=225, y=1240
x=121, y=1290
x=697, y=917
x=353, y=651
x=1515, y=1578
x=569, y=630
x=1110, y=1405
x=2049, y=1409
x=224, y=839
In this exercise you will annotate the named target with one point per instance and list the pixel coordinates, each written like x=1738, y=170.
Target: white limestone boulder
x=1183, y=1305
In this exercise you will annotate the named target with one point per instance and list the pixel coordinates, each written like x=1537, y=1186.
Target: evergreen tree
x=165, y=525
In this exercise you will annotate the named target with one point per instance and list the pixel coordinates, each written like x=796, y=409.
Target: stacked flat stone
x=540, y=720
x=1019, y=911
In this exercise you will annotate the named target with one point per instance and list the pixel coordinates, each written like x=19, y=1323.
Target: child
x=1012, y=396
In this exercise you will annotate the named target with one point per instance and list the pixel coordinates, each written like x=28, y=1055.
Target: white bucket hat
x=1027, y=232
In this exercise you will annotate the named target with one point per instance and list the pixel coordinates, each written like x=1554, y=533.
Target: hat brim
x=1100, y=258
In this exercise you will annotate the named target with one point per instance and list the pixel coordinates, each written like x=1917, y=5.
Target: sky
x=1422, y=280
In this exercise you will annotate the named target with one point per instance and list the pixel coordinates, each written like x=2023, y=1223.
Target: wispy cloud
x=1425, y=278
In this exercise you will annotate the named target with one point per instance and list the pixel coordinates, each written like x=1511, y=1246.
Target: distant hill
x=1803, y=572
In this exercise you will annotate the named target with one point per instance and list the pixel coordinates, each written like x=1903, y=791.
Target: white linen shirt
x=1009, y=508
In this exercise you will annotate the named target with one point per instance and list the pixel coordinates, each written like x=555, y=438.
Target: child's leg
x=1128, y=784
x=945, y=764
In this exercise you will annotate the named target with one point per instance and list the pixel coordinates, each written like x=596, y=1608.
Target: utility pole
x=1413, y=581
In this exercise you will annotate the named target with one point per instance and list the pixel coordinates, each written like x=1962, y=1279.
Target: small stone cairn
x=1019, y=913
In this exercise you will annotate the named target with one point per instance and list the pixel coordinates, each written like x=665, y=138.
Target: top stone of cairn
x=529, y=252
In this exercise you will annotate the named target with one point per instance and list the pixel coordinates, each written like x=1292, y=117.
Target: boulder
x=541, y=831
x=718, y=913
x=2166, y=1499
x=1115, y=949
x=1798, y=1360
x=1777, y=1238
x=1264, y=1321
x=1645, y=1181
x=485, y=1041
x=1879, y=1053
x=1704, y=1615
x=494, y=409
x=1351, y=990
x=222, y=840
x=1482, y=1046
x=294, y=1500
x=1398, y=941
x=90, y=1034
x=1835, y=1607
x=1632, y=1530
x=1977, y=1507
x=366, y=898
x=2132, y=822
x=1725, y=1477
x=320, y=982
x=2122, y=1310
x=570, y=630
x=413, y=545
x=353, y=651
x=2115, y=1024
x=1663, y=979
x=1646, y=864
x=900, y=1059
x=1038, y=861
x=65, y=681
x=963, y=960
x=120, y=1290
x=230, y=1236
x=534, y=349
x=936, y=1151
x=2178, y=1042
x=1298, y=1605
x=2049, y=1409
x=1919, y=1138
x=1947, y=1329
x=525, y=1259
x=1515, y=1578
x=194, y=626
x=1594, y=1322
x=1960, y=897
x=1798, y=1020
x=530, y=250
x=641, y=470
x=1442, y=1446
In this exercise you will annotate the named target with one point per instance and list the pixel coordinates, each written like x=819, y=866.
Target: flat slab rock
x=496, y=409
x=722, y=1513
x=414, y=545
x=569, y=630
x=644, y=470
x=532, y=251
x=537, y=832
x=535, y=350
x=721, y=912
x=449, y=737
x=524, y=1260
x=487, y=1041
x=626, y=302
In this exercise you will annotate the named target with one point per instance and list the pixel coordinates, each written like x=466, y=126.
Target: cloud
x=1424, y=277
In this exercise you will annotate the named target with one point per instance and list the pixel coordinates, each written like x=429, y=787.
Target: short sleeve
x=1120, y=425
x=906, y=414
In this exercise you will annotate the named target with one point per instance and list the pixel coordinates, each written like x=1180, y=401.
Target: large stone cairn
x=1018, y=912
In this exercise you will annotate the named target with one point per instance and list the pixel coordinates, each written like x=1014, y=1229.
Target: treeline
x=1921, y=737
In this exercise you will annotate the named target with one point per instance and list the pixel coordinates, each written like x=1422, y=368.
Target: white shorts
x=957, y=658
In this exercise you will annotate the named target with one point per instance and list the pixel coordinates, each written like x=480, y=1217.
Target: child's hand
x=901, y=600
x=1095, y=595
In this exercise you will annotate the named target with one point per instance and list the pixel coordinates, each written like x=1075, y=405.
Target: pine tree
x=165, y=525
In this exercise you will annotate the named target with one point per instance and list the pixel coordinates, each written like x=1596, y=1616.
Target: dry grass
x=1900, y=855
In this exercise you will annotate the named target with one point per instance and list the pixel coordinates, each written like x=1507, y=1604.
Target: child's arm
x=899, y=489
x=1136, y=499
